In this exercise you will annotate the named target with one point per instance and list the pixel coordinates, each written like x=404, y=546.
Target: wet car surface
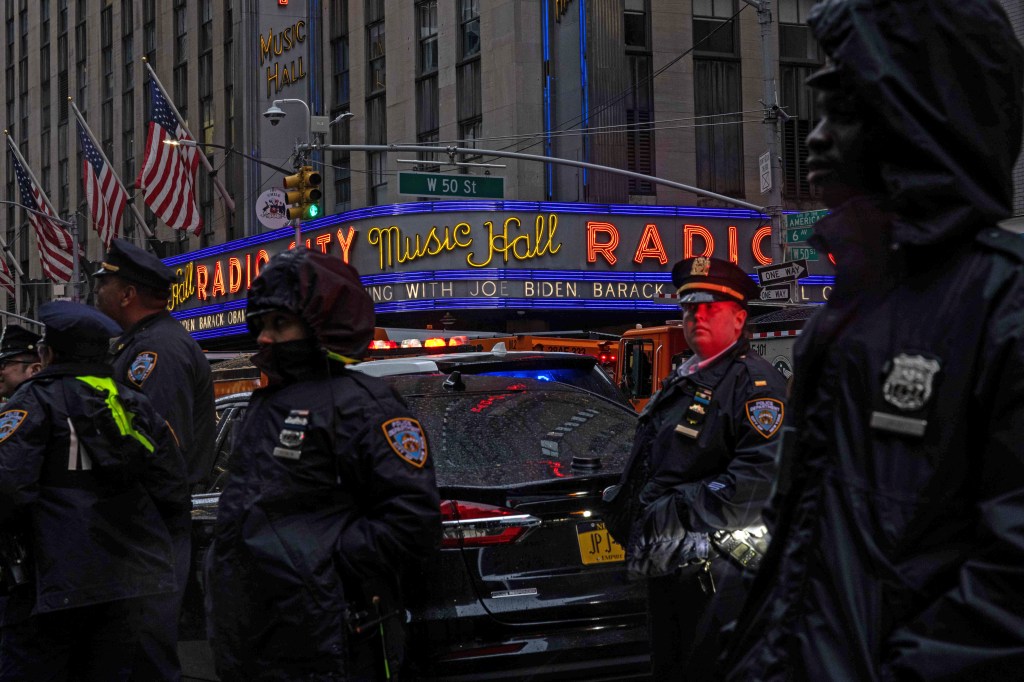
x=527, y=584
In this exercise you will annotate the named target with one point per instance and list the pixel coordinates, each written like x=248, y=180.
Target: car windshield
x=509, y=430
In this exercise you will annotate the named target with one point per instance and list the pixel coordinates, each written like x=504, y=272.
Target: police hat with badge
x=136, y=265
x=76, y=331
x=708, y=280
x=16, y=340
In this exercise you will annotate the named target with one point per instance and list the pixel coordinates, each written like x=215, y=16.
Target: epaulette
x=1004, y=241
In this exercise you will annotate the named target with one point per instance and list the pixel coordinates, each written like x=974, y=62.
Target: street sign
x=799, y=235
x=805, y=219
x=765, y=163
x=779, y=292
x=803, y=252
x=442, y=185
x=783, y=272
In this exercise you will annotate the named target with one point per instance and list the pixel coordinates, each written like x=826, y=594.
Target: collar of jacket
x=857, y=234
x=710, y=375
x=142, y=324
x=75, y=369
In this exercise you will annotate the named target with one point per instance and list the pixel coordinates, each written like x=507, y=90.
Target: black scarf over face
x=290, y=361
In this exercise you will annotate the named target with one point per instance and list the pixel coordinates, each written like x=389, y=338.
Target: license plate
x=596, y=545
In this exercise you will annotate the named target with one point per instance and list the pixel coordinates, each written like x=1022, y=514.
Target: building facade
x=665, y=88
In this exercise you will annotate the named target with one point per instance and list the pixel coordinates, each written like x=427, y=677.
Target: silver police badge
x=909, y=384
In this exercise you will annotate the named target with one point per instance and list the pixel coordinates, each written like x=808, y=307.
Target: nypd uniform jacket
x=93, y=536
x=331, y=487
x=708, y=440
x=158, y=357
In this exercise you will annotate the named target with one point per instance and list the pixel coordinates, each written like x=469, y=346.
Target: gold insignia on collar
x=701, y=266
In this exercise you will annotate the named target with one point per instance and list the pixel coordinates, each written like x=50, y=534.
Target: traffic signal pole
x=476, y=151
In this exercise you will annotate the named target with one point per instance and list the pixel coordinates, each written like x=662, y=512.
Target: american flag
x=55, y=244
x=103, y=191
x=6, y=278
x=168, y=171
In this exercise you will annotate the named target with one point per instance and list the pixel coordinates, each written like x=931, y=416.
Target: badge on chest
x=290, y=439
x=696, y=413
x=908, y=386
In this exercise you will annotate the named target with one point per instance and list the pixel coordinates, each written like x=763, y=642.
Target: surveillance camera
x=273, y=115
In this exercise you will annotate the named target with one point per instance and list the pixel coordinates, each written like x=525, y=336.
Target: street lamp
x=232, y=150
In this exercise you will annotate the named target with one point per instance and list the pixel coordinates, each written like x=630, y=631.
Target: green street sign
x=443, y=185
x=805, y=219
x=802, y=253
x=798, y=235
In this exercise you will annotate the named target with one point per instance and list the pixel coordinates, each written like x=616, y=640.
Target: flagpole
x=72, y=225
x=229, y=203
x=99, y=148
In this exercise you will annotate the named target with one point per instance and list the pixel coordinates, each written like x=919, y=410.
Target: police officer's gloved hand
x=665, y=544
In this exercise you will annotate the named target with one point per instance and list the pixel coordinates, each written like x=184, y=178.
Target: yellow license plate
x=597, y=545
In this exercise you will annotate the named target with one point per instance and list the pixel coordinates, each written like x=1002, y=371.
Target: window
x=639, y=97
x=376, y=68
x=799, y=57
x=339, y=49
x=468, y=91
x=426, y=14
x=717, y=97
x=712, y=30
x=469, y=28
x=376, y=133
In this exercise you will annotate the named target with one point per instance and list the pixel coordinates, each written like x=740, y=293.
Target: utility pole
x=772, y=113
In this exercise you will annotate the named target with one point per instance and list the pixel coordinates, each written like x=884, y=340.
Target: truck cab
x=646, y=356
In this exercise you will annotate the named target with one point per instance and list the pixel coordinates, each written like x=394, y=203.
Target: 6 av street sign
x=783, y=272
x=441, y=185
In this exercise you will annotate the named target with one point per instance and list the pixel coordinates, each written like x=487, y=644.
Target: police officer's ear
x=46, y=355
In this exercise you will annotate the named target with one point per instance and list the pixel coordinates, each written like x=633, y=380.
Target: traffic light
x=302, y=192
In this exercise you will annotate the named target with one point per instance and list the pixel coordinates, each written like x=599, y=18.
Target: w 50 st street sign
x=443, y=185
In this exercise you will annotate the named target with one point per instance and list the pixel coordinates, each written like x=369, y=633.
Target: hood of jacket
x=322, y=290
x=945, y=77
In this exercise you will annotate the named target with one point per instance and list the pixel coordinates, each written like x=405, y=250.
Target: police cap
x=705, y=280
x=77, y=331
x=129, y=262
x=16, y=340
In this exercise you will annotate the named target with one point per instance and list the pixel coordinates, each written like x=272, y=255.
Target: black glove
x=665, y=543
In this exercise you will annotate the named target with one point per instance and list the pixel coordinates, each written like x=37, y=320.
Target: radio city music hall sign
x=441, y=253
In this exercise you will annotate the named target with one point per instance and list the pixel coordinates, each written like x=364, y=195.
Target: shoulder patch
x=1002, y=240
x=406, y=438
x=765, y=415
x=10, y=421
x=142, y=366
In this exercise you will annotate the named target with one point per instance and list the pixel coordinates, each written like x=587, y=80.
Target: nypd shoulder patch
x=142, y=367
x=10, y=421
x=765, y=415
x=406, y=438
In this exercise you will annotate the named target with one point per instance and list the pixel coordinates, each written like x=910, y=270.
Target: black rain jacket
x=898, y=545
x=97, y=510
x=719, y=480
x=158, y=357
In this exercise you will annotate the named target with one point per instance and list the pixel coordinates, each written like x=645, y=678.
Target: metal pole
x=769, y=62
x=531, y=157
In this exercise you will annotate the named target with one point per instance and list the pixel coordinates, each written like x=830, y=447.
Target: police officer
x=157, y=356
x=702, y=463
x=92, y=488
x=898, y=548
x=19, y=358
x=330, y=492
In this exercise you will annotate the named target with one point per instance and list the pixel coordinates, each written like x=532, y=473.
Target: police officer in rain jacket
x=898, y=548
x=330, y=494
x=701, y=468
x=92, y=490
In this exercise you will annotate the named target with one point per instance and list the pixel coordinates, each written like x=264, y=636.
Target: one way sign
x=783, y=272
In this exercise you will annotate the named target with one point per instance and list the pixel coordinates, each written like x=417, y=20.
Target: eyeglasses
x=4, y=363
